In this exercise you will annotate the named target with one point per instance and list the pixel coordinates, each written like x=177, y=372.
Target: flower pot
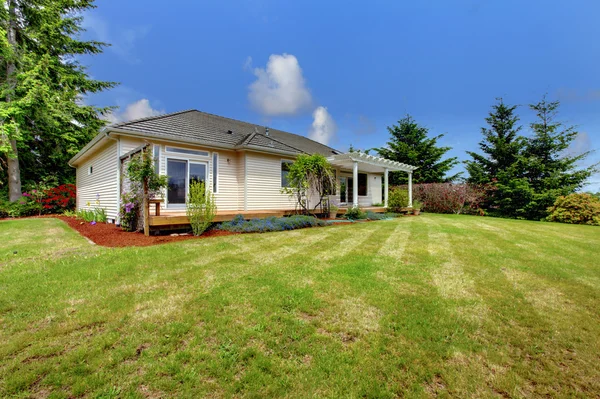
x=332, y=214
x=416, y=212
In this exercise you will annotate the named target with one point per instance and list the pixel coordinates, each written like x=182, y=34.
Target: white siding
x=129, y=143
x=102, y=181
x=241, y=176
x=227, y=178
x=264, y=182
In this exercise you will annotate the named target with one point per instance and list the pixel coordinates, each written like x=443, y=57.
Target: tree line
x=523, y=175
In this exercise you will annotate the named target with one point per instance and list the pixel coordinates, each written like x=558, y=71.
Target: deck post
x=386, y=187
x=410, y=190
x=355, y=185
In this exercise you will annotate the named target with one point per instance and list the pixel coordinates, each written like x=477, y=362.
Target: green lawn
x=422, y=306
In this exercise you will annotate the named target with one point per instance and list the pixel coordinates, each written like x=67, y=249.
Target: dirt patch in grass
x=109, y=235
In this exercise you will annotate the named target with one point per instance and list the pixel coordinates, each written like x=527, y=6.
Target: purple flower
x=93, y=223
x=129, y=207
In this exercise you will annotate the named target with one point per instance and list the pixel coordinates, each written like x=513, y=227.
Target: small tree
x=200, y=208
x=141, y=170
x=310, y=179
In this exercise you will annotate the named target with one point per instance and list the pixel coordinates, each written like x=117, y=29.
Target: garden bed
x=109, y=235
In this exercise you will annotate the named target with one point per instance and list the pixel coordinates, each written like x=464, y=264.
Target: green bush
x=24, y=206
x=200, y=208
x=576, y=209
x=397, y=199
x=239, y=225
x=354, y=214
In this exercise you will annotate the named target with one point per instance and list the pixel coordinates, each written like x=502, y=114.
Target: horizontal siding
x=129, y=143
x=227, y=180
x=101, y=185
x=264, y=183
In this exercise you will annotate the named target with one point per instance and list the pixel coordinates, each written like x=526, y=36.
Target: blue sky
x=341, y=72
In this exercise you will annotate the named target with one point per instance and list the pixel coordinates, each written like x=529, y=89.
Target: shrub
x=397, y=199
x=24, y=206
x=200, y=208
x=59, y=199
x=354, y=214
x=449, y=197
x=239, y=225
x=130, y=211
x=577, y=209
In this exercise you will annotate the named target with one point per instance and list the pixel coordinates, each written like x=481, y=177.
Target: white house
x=243, y=164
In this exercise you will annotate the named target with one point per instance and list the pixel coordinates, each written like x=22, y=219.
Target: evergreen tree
x=410, y=144
x=43, y=121
x=500, y=164
x=500, y=146
x=549, y=169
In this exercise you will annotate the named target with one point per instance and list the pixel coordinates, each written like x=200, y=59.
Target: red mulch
x=109, y=235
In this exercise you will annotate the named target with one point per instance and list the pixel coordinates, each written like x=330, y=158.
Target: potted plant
x=417, y=207
x=333, y=208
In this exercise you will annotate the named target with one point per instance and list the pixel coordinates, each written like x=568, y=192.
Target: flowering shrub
x=239, y=225
x=59, y=199
x=450, y=198
x=577, y=209
x=130, y=211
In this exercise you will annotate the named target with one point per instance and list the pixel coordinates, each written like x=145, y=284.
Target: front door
x=343, y=188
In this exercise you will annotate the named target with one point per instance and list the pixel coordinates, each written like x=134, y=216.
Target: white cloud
x=323, y=128
x=136, y=110
x=122, y=41
x=280, y=88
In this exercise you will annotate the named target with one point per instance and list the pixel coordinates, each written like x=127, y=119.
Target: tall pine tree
x=410, y=144
x=550, y=170
x=499, y=163
x=43, y=121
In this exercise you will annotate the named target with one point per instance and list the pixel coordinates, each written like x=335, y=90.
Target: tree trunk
x=14, y=172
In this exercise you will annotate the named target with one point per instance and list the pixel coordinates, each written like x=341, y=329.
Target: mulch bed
x=109, y=235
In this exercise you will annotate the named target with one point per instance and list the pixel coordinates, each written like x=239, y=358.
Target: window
x=156, y=154
x=215, y=167
x=362, y=184
x=181, y=174
x=90, y=170
x=285, y=169
x=186, y=151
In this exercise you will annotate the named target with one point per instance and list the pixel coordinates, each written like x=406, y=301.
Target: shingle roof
x=205, y=128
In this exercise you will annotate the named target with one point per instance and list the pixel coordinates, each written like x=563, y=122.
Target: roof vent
x=266, y=130
x=230, y=132
x=271, y=143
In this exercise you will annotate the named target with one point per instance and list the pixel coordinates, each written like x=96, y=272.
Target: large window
x=181, y=173
x=285, y=169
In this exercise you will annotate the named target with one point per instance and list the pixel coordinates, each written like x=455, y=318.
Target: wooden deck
x=178, y=218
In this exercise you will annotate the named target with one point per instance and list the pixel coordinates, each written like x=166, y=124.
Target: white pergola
x=371, y=164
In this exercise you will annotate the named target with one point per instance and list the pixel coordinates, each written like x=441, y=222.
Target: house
x=243, y=164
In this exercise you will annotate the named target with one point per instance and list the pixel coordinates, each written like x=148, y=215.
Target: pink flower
x=26, y=194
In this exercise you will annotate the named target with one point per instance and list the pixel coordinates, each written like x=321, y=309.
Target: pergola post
x=355, y=185
x=386, y=187
x=410, y=189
